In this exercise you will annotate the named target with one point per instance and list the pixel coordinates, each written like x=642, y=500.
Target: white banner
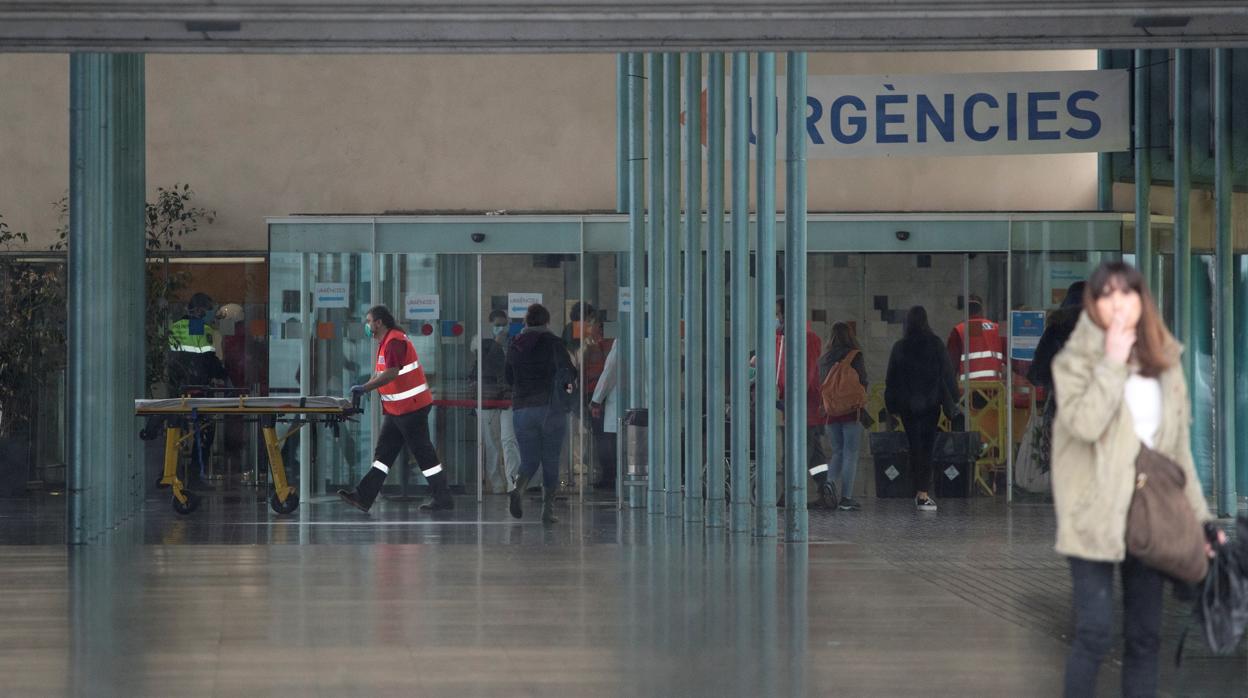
x=1072, y=111
x=421, y=306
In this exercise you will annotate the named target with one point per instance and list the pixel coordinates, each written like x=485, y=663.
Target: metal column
x=715, y=291
x=671, y=297
x=766, y=377
x=622, y=111
x=795, y=529
x=1224, y=284
x=106, y=267
x=739, y=520
x=1143, y=171
x=636, y=329
x=1182, y=207
x=1104, y=161
x=654, y=309
x=694, y=354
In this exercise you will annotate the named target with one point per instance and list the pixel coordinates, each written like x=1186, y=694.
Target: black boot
x=366, y=492
x=548, y=505
x=516, y=496
x=828, y=498
x=441, y=500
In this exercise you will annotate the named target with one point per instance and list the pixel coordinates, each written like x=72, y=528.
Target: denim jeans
x=540, y=431
x=843, y=461
x=1142, y=589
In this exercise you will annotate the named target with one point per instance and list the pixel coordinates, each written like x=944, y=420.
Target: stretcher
x=190, y=413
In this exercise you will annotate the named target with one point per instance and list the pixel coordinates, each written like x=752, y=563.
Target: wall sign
x=1072, y=111
x=518, y=303
x=1026, y=328
x=330, y=295
x=421, y=306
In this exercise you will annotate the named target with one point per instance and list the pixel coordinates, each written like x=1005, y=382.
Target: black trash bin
x=953, y=463
x=890, y=453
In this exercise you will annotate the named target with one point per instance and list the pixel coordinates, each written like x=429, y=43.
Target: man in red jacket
x=406, y=401
x=816, y=457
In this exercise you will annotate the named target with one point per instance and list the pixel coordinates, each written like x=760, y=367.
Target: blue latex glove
x=357, y=390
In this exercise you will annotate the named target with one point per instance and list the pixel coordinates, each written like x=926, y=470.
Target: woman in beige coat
x=1118, y=384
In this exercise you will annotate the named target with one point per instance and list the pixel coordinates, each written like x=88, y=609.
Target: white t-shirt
x=1143, y=398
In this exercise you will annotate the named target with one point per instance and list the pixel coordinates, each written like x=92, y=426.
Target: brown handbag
x=1162, y=531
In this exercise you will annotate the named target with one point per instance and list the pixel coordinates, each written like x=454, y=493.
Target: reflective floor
x=883, y=602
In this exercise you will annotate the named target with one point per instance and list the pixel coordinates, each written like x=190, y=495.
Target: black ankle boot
x=516, y=496
x=366, y=492
x=441, y=500
x=548, y=506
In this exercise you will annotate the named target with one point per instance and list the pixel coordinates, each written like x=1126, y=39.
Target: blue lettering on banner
x=858, y=122
x=883, y=118
x=942, y=120
x=968, y=116
x=1035, y=115
x=812, y=119
x=1093, y=119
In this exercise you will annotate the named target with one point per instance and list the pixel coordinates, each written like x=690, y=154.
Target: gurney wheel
x=192, y=503
x=291, y=503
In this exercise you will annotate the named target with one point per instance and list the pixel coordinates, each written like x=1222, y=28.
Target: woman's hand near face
x=1119, y=339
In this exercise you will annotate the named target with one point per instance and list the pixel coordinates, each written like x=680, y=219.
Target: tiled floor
x=885, y=602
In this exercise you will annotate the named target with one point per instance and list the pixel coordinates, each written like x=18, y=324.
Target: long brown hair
x=843, y=335
x=1155, y=348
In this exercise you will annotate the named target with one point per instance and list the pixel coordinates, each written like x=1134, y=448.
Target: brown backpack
x=841, y=392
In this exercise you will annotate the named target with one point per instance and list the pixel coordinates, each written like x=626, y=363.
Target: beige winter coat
x=1094, y=446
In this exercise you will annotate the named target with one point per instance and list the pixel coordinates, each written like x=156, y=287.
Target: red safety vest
x=409, y=391
x=982, y=358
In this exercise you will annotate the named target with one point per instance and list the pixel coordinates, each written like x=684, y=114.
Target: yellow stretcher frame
x=284, y=498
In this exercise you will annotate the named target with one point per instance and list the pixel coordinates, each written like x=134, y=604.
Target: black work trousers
x=411, y=430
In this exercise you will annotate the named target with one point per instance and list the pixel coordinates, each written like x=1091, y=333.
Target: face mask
x=368, y=330
x=498, y=330
x=779, y=324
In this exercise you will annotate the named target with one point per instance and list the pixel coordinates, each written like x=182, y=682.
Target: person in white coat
x=605, y=403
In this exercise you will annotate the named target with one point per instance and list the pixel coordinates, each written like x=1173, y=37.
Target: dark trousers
x=411, y=430
x=921, y=435
x=540, y=432
x=1142, y=589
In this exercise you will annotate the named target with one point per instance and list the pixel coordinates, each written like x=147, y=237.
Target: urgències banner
x=960, y=114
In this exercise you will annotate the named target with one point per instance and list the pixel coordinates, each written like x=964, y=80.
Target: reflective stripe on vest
x=409, y=391
x=194, y=349
x=982, y=358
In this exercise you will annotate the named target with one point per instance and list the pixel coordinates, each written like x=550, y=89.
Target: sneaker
x=351, y=498
x=445, y=503
x=925, y=504
x=848, y=504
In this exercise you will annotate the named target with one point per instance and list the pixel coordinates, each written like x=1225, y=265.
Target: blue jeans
x=540, y=432
x=1142, y=588
x=843, y=462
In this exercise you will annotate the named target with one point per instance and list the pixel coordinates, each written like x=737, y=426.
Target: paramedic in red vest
x=816, y=459
x=984, y=359
x=406, y=401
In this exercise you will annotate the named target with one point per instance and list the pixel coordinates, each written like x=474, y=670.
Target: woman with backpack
x=843, y=375
x=543, y=380
x=919, y=383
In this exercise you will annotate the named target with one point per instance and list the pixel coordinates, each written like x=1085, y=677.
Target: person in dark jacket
x=502, y=452
x=919, y=383
x=844, y=431
x=538, y=368
x=1056, y=331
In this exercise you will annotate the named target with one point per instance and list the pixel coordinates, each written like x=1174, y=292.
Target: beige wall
x=271, y=135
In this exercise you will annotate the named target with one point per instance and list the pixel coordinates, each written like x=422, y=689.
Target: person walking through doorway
x=543, y=380
x=406, y=402
x=918, y=385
